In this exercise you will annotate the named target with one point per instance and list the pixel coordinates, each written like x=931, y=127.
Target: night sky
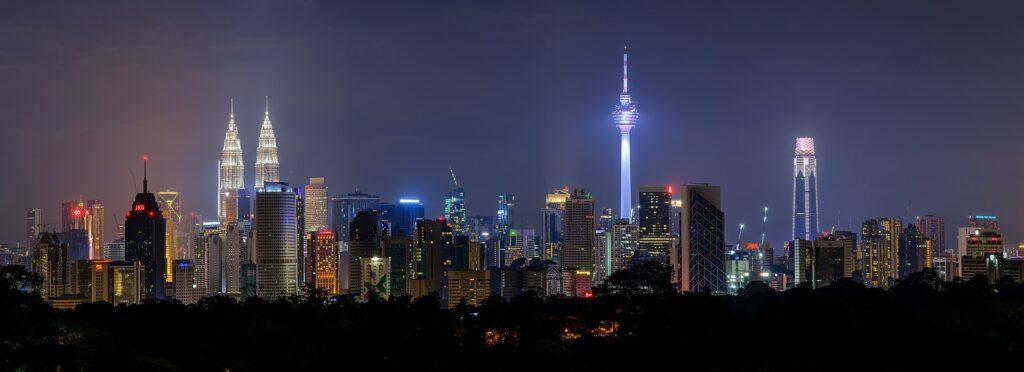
x=916, y=107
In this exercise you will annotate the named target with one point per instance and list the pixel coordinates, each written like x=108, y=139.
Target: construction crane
x=454, y=180
x=739, y=237
x=764, y=224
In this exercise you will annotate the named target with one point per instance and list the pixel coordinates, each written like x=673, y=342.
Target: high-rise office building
x=455, y=207
x=625, y=116
x=276, y=246
x=72, y=216
x=619, y=243
x=473, y=286
x=433, y=241
x=183, y=287
x=33, y=226
x=655, y=210
x=113, y=251
x=983, y=221
x=230, y=259
x=364, y=243
x=805, y=190
x=914, y=251
x=398, y=249
x=170, y=204
x=323, y=261
x=402, y=217
x=577, y=253
x=934, y=228
x=551, y=231
x=267, y=167
x=344, y=209
x=606, y=219
x=230, y=167
x=503, y=225
x=698, y=261
x=983, y=254
x=145, y=231
x=315, y=206
x=49, y=261
x=95, y=220
x=879, y=251
x=374, y=277
x=75, y=229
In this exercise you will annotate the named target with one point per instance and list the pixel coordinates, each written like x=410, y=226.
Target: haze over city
x=914, y=106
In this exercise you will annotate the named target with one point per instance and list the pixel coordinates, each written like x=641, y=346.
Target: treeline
x=635, y=322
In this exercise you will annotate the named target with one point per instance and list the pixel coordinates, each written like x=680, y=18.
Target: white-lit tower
x=230, y=168
x=805, y=190
x=267, y=167
x=625, y=116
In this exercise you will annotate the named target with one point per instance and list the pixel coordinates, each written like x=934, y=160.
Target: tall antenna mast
x=764, y=223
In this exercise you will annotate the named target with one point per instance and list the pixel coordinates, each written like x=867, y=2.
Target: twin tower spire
x=231, y=168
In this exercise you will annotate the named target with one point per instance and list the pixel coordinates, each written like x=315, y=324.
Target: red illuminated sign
x=139, y=207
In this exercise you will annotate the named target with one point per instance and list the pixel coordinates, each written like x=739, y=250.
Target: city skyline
x=676, y=146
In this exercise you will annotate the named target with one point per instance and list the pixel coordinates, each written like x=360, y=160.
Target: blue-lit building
x=805, y=190
x=344, y=209
x=401, y=217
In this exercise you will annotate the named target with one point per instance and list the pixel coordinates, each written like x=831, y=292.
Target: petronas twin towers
x=232, y=168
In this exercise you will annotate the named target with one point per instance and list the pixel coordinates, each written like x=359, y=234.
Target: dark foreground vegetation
x=633, y=324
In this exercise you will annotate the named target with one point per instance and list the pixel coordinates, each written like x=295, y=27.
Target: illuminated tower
x=145, y=240
x=805, y=190
x=95, y=222
x=231, y=169
x=315, y=207
x=170, y=204
x=625, y=116
x=455, y=207
x=267, y=167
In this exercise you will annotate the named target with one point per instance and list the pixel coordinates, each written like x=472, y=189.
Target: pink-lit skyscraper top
x=805, y=190
x=805, y=146
x=625, y=116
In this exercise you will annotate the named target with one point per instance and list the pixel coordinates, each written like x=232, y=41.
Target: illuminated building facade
x=49, y=261
x=738, y=269
x=805, y=190
x=914, y=251
x=983, y=254
x=323, y=261
x=625, y=116
x=145, y=234
x=551, y=235
x=183, y=287
x=170, y=204
x=503, y=225
x=374, y=277
x=274, y=227
x=879, y=250
x=315, y=205
x=267, y=167
x=698, y=261
x=654, y=213
x=470, y=285
x=577, y=253
x=455, y=207
x=94, y=221
x=230, y=167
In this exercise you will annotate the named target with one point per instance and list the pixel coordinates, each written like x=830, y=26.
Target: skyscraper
x=879, y=248
x=230, y=167
x=364, y=243
x=805, y=190
x=315, y=206
x=577, y=254
x=274, y=227
x=344, y=210
x=402, y=217
x=267, y=167
x=503, y=225
x=551, y=231
x=170, y=205
x=655, y=210
x=323, y=261
x=33, y=226
x=698, y=262
x=94, y=220
x=145, y=234
x=455, y=207
x=933, y=228
x=49, y=261
x=625, y=116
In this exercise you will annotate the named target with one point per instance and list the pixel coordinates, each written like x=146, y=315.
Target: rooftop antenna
x=145, y=180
